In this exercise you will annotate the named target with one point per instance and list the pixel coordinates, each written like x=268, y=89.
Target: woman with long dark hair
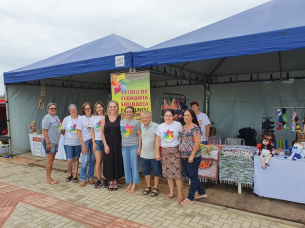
x=190, y=138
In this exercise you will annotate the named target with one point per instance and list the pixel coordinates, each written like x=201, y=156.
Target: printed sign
x=131, y=89
x=119, y=61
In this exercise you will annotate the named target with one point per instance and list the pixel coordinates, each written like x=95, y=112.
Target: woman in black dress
x=111, y=134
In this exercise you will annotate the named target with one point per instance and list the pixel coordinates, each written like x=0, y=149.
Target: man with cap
x=203, y=121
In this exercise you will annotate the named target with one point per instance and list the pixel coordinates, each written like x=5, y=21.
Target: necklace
x=111, y=125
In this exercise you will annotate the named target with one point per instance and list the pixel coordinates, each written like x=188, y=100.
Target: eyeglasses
x=53, y=108
x=87, y=108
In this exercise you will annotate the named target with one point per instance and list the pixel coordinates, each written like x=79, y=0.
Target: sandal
x=147, y=190
x=153, y=193
x=115, y=186
x=169, y=196
x=53, y=182
x=110, y=187
x=75, y=180
x=186, y=202
x=198, y=196
x=127, y=189
x=69, y=178
x=105, y=184
x=179, y=200
x=132, y=191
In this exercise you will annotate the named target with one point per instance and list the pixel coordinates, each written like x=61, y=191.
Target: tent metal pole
x=8, y=121
x=280, y=63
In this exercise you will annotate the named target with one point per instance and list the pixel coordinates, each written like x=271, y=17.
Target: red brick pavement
x=11, y=195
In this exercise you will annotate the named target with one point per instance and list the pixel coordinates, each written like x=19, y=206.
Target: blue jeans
x=131, y=164
x=72, y=151
x=88, y=158
x=191, y=170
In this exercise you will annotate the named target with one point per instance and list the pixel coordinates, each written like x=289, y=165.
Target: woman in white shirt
x=85, y=139
x=71, y=142
x=98, y=146
x=167, y=136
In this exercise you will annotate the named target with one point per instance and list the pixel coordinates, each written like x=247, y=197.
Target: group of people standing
x=116, y=144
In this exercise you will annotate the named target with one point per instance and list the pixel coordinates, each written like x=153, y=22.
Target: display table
x=38, y=150
x=236, y=165
x=283, y=179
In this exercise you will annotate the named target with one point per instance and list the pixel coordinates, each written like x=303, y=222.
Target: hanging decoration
x=41, y=103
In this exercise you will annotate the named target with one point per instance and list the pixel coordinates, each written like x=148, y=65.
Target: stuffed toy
x=297, y=126
x=295, y=152
x=266, y=148
x=300, y=136
x=293, y=125
x=280, y=120
x=284, y=118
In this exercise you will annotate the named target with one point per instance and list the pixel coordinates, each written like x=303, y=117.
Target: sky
x=34, y=30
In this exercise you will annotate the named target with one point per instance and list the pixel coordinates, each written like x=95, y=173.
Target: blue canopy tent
x=277, y=25
x=98, y=55
x=75, y=76
x=236, y=59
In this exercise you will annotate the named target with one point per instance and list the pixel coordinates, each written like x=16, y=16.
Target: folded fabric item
x=237, y=165
x=208, y=168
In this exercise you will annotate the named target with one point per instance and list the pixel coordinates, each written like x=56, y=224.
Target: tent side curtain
x=280, y=40
x=24, y=99
x=85, y=66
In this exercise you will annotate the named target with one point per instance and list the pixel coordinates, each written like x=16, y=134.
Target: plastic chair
x=234, y=141
x=215, y=139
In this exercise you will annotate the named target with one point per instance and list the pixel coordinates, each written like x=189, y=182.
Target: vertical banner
x=131, y=89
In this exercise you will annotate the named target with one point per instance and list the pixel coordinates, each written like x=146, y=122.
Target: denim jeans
x=131, y=164
x=88, y=158
x=191, y=170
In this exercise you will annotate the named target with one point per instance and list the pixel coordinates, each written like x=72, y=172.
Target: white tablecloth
x=283, y=179
x=38, y=150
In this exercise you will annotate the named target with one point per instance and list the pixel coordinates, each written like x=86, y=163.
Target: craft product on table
x=236, y=165
x=208, y=168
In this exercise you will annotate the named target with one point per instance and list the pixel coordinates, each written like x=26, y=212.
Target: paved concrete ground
x=26, y=201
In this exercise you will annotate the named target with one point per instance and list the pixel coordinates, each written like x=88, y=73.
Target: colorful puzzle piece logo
x=73, y=128
x=127, y=130
x=119, y=83
x=58, y=124
x=98, y=125
x=168, y=135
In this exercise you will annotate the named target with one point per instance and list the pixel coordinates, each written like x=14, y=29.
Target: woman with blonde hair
x=112, y=139
x=98, y=146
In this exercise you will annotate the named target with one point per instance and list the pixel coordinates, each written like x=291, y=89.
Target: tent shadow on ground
x=218, y=194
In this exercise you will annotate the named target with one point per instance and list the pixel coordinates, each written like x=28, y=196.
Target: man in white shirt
x=203, y=121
